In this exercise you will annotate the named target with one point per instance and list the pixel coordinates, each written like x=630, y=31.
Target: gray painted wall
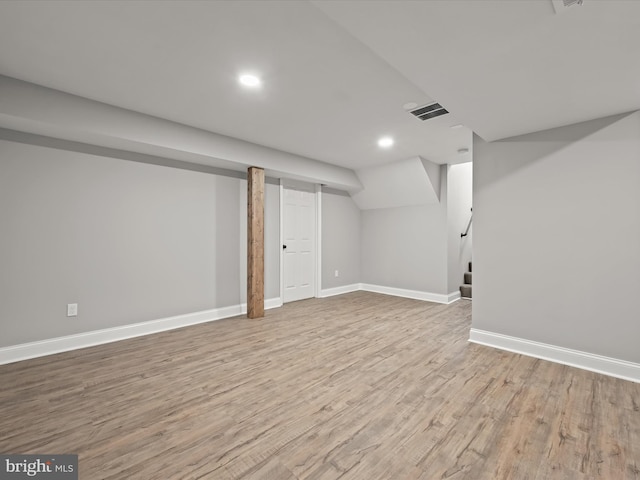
x=419, y=247
x=127, y=241
x=405, y=247
x=131, y=241
x=459, y=198
x=340, y=239
x=557, y=236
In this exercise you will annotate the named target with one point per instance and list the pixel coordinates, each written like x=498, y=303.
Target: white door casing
x=299, y=243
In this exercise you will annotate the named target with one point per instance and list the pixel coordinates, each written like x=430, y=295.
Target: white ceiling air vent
x=429, y=111
x=561, y=6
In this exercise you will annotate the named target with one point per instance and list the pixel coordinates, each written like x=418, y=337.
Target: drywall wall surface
x=272, y=245
x=127, y=241
x=340, y=239
x=556, y=236
x=406, y=248
x=459, y=202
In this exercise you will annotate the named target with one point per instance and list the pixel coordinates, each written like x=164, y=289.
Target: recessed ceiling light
x=457, y=126
x=462, y=151
x=410, y=105
x=249, y=80
x=385, y=142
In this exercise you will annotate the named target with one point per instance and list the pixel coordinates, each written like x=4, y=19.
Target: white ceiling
x=507, y=68
x=336, y=74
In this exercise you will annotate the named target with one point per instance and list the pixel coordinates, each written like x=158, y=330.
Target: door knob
x=284, y=246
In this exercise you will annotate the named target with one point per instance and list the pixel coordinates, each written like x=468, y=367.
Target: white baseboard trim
x=25, y=351
x=269, y=303
x=396, y=292
x=453, y=297
x=566, y=356
x=330, y=292
x=415, y=294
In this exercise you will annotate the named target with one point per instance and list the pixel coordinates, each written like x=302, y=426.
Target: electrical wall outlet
x=336, y=274
x=72, y=310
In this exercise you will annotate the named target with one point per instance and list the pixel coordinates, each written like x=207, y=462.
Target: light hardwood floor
x=359, y=386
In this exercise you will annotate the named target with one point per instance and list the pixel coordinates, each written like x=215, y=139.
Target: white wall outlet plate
x=72, y=310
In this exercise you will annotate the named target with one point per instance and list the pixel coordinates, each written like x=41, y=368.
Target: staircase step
x=467, y=278
x=465, y=291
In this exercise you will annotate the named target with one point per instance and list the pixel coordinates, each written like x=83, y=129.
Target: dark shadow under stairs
x=465, y=290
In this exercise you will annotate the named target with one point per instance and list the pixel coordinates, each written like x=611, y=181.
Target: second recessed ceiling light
x=385, y=142
x=250, y=81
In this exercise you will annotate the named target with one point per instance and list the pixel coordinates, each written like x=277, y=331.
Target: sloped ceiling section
x=506, y=68
x=324, y=96
x=414, y=181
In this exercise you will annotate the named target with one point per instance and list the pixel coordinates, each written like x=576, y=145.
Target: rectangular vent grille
x=561, y=6
x=429, y=111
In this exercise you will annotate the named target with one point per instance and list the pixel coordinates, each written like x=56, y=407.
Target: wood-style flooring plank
x=357, y=386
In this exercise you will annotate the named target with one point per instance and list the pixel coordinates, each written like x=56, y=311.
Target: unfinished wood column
x=255, y=242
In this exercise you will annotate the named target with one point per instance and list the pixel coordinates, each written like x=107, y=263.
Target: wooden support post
x=255, y=242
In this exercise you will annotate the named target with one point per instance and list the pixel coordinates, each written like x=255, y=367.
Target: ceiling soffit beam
x=31, y=108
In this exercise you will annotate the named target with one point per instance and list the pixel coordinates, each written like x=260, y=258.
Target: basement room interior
x=304, y=240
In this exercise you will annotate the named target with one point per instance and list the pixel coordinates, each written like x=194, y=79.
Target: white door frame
x=289, y=183
x=318, y=241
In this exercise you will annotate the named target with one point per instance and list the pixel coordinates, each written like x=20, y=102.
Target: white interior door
x=299, y=238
